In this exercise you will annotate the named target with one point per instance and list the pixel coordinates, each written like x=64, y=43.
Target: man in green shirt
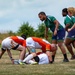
x=58, y=32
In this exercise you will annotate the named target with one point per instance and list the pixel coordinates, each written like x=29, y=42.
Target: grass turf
x=57, y=68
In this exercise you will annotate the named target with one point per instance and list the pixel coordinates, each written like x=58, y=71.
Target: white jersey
x=43, y=59
x=37, y=43
x=6, y=43
x=31, y=43
x=9, y=43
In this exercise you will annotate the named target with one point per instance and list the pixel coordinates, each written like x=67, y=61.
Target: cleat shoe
x=16, y=62
x=34, y=63
x=21, y=63
x=65, y=60
x=73, y=57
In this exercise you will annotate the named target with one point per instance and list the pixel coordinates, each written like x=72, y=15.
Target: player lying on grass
x=41, y=58
x=34, y=43
x=15, y=43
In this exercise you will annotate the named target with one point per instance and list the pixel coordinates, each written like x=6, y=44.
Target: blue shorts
x=71, y=34
x=60, y=35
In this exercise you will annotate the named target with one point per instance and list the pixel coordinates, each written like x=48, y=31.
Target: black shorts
x=36, y=59
x=15, y=47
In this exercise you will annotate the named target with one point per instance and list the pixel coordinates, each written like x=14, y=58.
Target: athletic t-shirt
x=49, y=22
x=38, y=43
x=69, y=20
x=19, y=40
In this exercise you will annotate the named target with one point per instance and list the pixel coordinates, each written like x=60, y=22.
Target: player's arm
x=48, y=48
x=10, y=55
x=49, y=56
x=46, y=31
x=66, y=27
x=71, y=27
x=56, y=26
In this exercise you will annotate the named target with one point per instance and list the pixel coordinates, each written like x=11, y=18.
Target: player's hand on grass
x=12, y=61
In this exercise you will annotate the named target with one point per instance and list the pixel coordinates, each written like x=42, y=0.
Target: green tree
x=26, y=29
x=40, y=32
x=10, y=33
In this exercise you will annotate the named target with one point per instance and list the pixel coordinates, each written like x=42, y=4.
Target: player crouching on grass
x=14, y=42
x=34, y=43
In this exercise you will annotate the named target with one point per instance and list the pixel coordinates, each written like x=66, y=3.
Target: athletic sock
x=30, y=61
x=29, y=57
x=53, y=57
x=65, y=56
x=20, y=60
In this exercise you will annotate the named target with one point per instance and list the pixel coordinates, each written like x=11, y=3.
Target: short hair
x=71, y=10
x=42, y=13
x=74, y=11
x=65, y=10
x=23, y=36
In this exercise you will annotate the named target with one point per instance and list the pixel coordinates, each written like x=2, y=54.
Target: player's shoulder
x=49, y=16
x=19, y=37
x=68, y=17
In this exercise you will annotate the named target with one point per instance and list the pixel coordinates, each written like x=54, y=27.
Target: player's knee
x=34, y=54
x=66, y=44
x=21, y=48
x=60, y=45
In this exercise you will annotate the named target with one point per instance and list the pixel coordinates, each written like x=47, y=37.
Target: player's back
x=40, y=41
x=17, y=39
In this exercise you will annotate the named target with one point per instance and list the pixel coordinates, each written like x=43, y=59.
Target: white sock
x=20, y=60
x=30, y=62
x=29, y=57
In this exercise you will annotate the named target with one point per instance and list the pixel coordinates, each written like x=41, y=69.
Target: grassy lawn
x=57, y=68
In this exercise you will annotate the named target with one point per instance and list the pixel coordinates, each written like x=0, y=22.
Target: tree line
x=29, y=31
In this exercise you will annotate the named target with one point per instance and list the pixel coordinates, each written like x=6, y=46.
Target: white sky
x=14, y=12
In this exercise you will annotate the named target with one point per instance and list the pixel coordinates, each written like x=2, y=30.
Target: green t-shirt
x=69, y=20
x=49, y=22
x=73, y=19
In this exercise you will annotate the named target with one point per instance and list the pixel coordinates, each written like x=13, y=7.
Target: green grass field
x=57, y=68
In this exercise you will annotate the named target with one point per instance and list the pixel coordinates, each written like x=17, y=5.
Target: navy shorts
x=60, y=35
x=71, y=34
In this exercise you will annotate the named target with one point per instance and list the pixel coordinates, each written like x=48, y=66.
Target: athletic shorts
x=60, y=35
x=43, y=59
x=8, y=44
x=71, y=34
